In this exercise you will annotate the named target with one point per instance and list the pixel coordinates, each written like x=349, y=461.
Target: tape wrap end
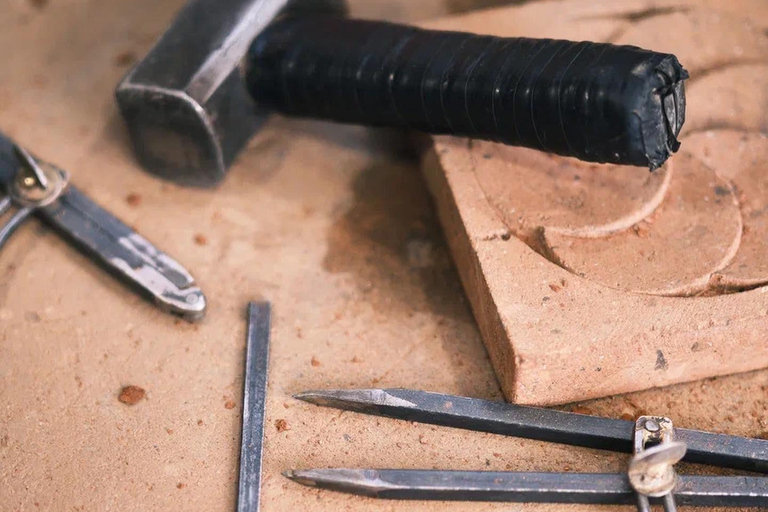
x=663, y=115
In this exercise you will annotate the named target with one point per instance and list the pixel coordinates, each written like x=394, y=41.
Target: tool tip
x=357, y=481
x=306, y=396
x=355, y=399
x=327, y=397
x=306, y=477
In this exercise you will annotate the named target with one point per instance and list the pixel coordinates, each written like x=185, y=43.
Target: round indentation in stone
x=694, y=233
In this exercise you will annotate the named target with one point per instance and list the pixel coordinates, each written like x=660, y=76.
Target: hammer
x=224, y=65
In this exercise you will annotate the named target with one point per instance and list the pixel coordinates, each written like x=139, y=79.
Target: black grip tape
x=593, y=101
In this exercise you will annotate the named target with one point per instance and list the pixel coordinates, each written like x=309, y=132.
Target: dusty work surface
x=332, y=224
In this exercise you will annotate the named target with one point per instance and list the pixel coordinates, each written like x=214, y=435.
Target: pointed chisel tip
x=297, y=477
x=311, y=477
x=309, y=396
x=354, y=399
x=356, y=481
x=330, y=397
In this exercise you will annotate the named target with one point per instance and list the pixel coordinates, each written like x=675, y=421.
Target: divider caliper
x=653, y=440
x=36, y=187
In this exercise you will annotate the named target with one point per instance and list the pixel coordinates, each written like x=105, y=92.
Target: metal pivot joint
x=651, y=472
x=36, y=185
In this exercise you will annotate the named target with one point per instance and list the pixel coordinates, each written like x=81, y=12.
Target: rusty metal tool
x=254, y=405
x=198, y=96
x=656, y=446
x=33, y=186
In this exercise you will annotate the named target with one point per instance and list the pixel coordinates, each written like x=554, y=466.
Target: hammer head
x=186, y=105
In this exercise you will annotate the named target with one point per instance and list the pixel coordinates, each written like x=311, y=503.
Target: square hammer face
x=186, y=106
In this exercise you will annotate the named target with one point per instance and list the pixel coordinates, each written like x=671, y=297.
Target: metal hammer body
x=211, y=80
x=185, y=104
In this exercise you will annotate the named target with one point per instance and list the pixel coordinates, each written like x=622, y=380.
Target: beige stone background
x=333, y=224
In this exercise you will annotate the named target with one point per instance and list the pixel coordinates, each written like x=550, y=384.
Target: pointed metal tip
x=354, y=399
x=339, y=398
x=317, y=396
x=303, y=477
x=356, y=481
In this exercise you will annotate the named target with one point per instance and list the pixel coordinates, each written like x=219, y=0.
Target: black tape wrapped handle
x=593, y=101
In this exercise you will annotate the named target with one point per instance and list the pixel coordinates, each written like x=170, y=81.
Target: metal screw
x=652, y=425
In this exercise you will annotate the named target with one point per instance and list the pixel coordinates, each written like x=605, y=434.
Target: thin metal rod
x=254, y=404
x=537, y=423
x=669, y=503
x=586, y=488
x=18, y=218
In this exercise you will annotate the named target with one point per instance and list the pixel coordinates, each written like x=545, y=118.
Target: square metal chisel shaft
x=254, y=405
